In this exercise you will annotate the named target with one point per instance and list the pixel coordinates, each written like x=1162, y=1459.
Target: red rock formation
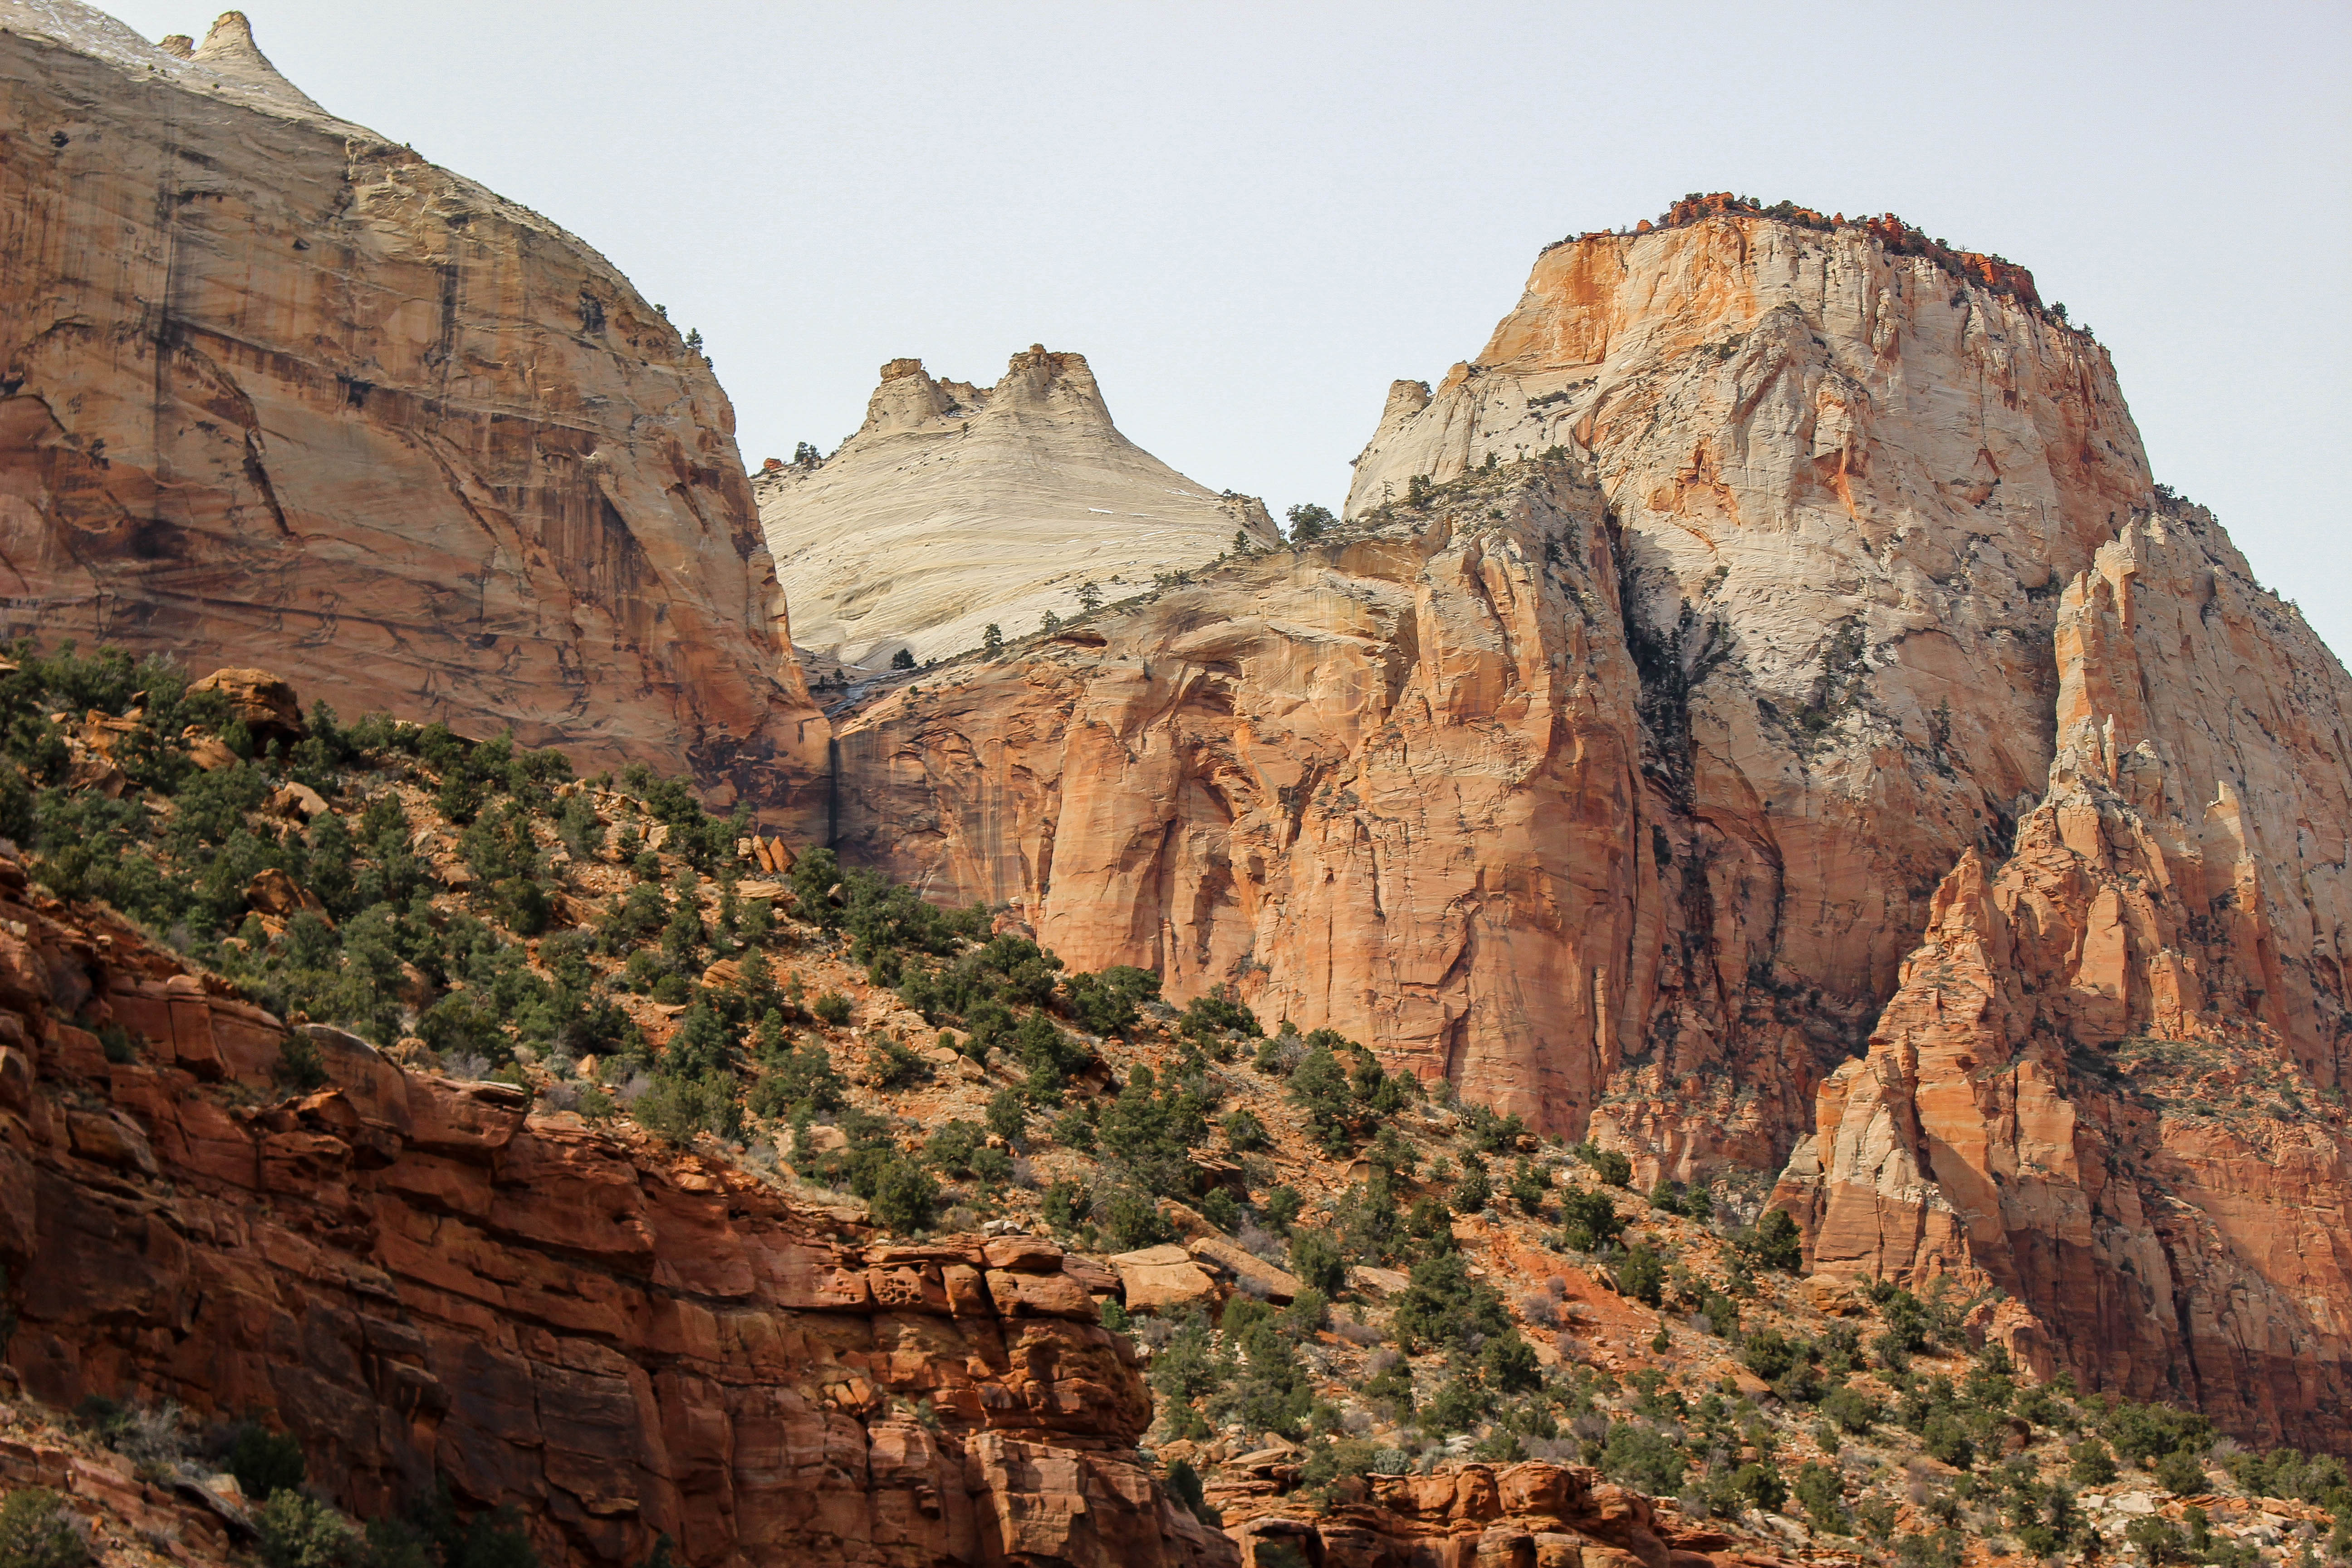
x=2111, y=1083
x=273, y=389
x=414, y=1275
x=1532, y=1515
x=1809, y=667
x=1387, y=784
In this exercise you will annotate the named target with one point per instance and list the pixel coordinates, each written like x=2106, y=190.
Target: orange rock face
x=414, y=1275
x=1537, y=1513
x=276, y=392
x=2112, y=1082
x=1389, y=785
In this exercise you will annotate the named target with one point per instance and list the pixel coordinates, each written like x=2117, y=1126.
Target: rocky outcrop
x=1733, y=728
x=2112, y=1082
x=416, y=1276
x=957, y=506
x=275, y=390
x=1537, y=1514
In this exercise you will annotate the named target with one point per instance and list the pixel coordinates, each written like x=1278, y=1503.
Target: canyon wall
x=2112, y=1082
x=417, y=1278
x=957, y=506
x=275, y=391
x=1388, y=783
x=1771, y=592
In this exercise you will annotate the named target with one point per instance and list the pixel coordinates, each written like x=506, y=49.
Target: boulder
x=1250, y=1274
x=264, y=702
x=1161, y=1279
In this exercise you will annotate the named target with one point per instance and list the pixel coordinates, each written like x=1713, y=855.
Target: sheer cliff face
x=276, y=393
x=1387, y=784
x=957, y=506
x=1849, y=483
x=2111, y=1080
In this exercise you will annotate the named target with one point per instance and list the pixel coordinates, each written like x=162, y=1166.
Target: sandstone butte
x=1683, y=658
x=276, y=392
x=957, y=506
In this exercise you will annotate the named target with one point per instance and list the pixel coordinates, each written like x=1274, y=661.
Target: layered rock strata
x=415, y=1276
x=2112, y=1082
x=1536, y=1514
x=957, y=506
x=274, y=389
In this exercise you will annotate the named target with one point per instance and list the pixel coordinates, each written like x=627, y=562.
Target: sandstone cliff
x=415, y=1276
x=1387, y=784
x=275, y=391
x=1850, y=477
x=1839, y=486
x=955, y=506
x=2111, y=1083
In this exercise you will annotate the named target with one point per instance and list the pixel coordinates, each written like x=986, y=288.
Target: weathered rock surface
x=274, y=390
x=1536, y=1514
x=414, y=1275
x=1628, y=826
x=1389, y=784
x=1610, y=760
x=955, y=506
x=1849, y=483
x=2112, y=1082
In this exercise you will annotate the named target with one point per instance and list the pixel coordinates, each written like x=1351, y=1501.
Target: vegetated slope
x=421, y=1280
x=957, y=507
x=276, y=391
x=778, y=1226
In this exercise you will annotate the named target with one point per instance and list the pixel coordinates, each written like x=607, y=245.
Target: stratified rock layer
x=2112, y=1082
x=956, y=506
x=414, y=1277
x=276, y=392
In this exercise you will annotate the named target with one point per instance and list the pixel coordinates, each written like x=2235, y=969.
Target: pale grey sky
x=1252, y=218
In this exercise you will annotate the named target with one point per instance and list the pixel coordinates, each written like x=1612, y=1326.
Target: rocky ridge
x=270, y=382
x=2112, y=1082
x=954, y=506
